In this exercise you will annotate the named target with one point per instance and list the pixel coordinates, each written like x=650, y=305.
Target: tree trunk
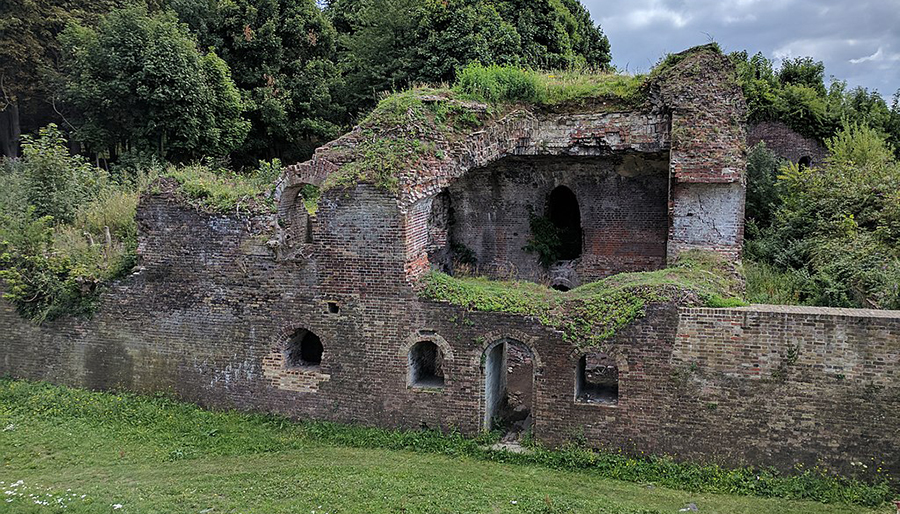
x=10, y=130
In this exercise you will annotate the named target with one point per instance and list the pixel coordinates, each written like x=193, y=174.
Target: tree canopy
x=139, y=84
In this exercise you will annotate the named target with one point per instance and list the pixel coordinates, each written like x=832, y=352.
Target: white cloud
x=643, y=17
x=877, y=56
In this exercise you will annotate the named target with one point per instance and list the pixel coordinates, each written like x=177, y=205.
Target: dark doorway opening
x=304, y=349
x=509, y=388
x=563, y=211
x=804, y=162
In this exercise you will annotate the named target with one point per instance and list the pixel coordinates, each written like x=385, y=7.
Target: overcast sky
x=858, y=40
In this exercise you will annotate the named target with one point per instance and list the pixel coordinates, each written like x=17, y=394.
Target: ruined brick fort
x=318, y=314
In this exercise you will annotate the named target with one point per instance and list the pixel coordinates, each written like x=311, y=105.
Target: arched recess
x=428, y=359
x=509, y=370
x=438, y=247
x=297, y=362
x=304, y=348
x=564, y=213
x=805, y=162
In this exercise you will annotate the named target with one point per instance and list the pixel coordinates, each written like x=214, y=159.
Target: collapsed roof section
x=417, y=143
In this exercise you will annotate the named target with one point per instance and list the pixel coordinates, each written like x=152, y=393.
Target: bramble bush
x=836, y=231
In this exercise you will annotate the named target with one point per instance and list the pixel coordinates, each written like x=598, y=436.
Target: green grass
x=225, y=191
x=506, y=84
x=153, y=454
x=594, y=312
x=767, y=284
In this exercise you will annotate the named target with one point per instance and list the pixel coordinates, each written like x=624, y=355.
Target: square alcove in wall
x=597, y=379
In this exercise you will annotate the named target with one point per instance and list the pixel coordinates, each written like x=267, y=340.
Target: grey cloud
x=858, y=40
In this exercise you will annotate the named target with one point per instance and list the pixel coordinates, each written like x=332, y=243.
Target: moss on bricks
x=592, y=313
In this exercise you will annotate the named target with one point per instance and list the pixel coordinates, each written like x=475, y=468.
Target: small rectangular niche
x=425, y=362
x=597, y=380
x=333, y=307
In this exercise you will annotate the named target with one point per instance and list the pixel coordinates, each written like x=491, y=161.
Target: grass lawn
x=91, y=452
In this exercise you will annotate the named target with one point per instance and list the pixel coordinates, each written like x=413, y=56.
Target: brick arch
x=426, y=335
x=492, y=339
x=303, y=380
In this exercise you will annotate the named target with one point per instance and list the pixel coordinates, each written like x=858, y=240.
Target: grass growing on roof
x=507, y=84
x=412, y=126
x=92, y=451
x=225, y=191
x=594, y=312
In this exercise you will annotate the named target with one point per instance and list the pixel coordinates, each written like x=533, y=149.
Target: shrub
x=65, y=229
x=56, y=182
x=836, y=231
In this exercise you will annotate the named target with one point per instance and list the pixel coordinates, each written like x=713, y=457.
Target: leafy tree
x=281, y=54
x=56, y=183
x=762, y=187
x=29, y=51
x=391, y=44
x=803, y=71
x=759, y=83
x=140, y=84
x=803, y=109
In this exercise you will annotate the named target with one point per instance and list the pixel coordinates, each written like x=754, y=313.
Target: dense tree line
x=253, y=79
x=796, y=94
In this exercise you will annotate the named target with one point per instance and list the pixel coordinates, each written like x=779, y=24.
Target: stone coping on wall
x=800, y=309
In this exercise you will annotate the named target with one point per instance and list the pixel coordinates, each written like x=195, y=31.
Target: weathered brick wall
x=210, y=311
x=694, y=112
x=215, y=301
x=786, y=143
x=707, y=154
x=622, y=201
x=798, y=384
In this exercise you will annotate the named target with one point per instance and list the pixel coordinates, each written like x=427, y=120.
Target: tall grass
x=507, y=84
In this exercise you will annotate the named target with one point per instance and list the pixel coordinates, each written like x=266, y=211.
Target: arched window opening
x=805, y=162
x=426, y=365
x=597, y=379
x=304, y=349
x=563, y=211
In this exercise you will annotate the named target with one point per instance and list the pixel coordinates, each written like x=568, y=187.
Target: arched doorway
x=509, y=367
x=563, y=211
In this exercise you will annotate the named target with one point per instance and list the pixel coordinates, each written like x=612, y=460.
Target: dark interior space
x=426, y=365
x=304, y=349
x=563, y=211
x=597, y=380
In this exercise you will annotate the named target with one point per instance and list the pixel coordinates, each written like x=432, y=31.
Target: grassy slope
x=593, y=312
x=152, y=455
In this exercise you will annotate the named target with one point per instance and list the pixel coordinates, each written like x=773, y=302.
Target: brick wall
x=210, y=310
x=786, y=143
